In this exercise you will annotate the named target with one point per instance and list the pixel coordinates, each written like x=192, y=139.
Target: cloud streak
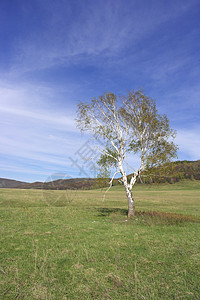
x=98, y=29
x=189, y=143
x=65, y=122
x=61, y=51
x=33, y=136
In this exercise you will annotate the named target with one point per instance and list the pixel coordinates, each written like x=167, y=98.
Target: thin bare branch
x=110, y=185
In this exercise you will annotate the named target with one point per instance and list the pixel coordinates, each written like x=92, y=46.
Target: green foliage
x=128, y=125
x=97, y=115
x=108, y=159
x=103, y=177
x=151, y=134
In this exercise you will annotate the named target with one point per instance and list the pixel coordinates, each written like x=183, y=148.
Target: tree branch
x=106, y=153
x=110, y=184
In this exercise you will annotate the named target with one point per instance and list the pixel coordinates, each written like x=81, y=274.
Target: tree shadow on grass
x=104, y=211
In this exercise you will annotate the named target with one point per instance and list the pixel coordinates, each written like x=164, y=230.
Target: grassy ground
x=71, y=245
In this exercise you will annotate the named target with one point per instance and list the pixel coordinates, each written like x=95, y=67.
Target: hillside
x=171, y=173
x=187, y=169
x=10, y=183
x=176, y=171
x=60, y=184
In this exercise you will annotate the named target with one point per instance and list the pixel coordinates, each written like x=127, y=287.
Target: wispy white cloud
x=29, y=102
x=121, y=39
x=67, y=123
x=189, y=143
x=182, y=105
x=100, y=28
x=8, y=167
x=34, y=132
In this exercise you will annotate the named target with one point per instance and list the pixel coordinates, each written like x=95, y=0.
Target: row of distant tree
x=172, y=173
x=169, y=173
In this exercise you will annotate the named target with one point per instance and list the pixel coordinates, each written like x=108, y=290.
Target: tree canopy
x=125, y=126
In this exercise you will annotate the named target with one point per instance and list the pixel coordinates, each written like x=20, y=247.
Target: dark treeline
x=170, y=173
x=173, y=172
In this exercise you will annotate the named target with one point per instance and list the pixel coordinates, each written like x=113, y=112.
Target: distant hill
x=10, y=183
x=171, y=173
x=186, y=169
x=59, y=184
x=62, y=184
x=174, y=172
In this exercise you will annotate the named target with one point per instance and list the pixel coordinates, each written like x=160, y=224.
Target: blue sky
x=55, y=53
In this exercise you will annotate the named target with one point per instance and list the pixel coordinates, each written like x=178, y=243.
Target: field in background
x=71, y=245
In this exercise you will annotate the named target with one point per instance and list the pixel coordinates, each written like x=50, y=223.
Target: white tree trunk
x=131, y=205
x=128, y=189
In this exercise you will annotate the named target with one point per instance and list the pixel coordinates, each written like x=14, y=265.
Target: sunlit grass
x=71, y=245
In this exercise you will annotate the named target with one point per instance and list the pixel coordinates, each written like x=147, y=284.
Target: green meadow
x=72, y=245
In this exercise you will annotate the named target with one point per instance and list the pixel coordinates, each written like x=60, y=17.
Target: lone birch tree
x=128, y=126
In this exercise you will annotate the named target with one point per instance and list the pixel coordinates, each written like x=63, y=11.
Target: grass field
x=71, y=245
